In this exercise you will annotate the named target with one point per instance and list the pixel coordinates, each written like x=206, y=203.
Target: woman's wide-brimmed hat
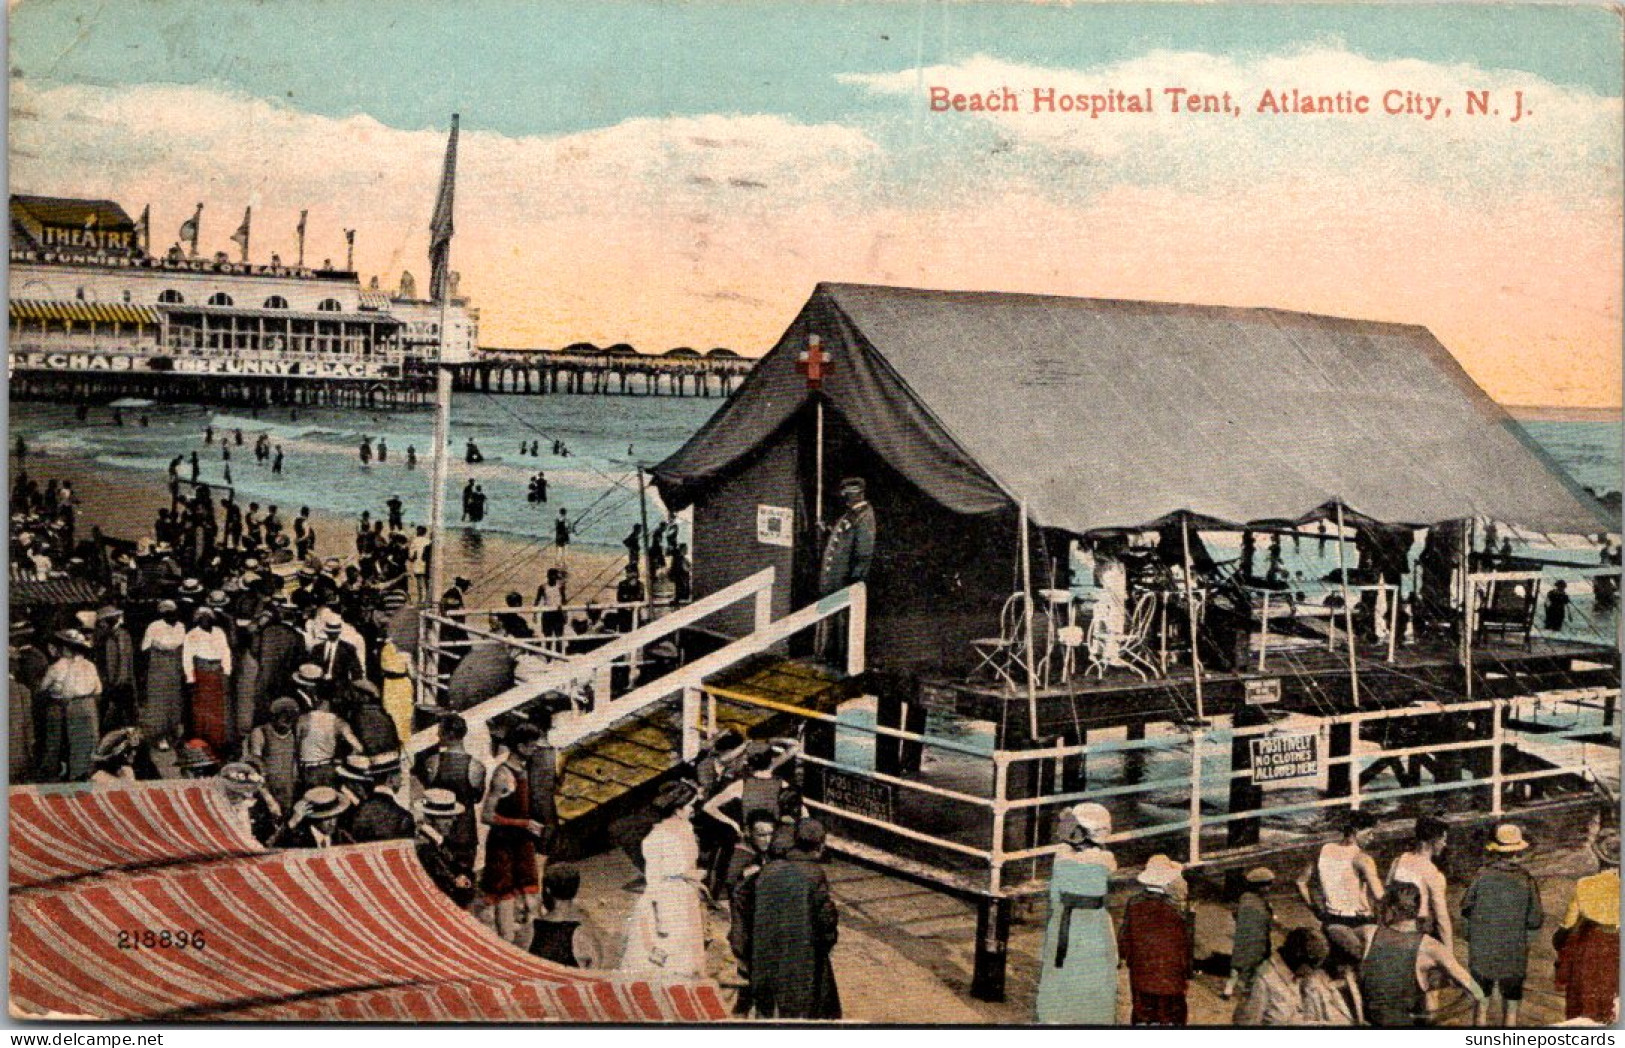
x=242, y=775
x=1092, y=819
x=195, y=755
x=73, y=639
x=1160, y=872
x=116, y=744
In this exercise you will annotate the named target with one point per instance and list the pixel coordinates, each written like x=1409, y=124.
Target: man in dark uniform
x=848, y=552
x=380, y=817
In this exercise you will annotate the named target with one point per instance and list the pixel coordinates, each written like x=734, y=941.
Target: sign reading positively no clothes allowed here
x=1285, y=758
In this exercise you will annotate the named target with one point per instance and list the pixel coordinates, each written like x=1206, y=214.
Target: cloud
x=712, y=229
x=544, y=224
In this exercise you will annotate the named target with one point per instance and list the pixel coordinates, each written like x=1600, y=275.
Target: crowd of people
x=1378, y=952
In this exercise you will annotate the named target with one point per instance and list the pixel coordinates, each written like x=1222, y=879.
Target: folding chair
x=1006, y=654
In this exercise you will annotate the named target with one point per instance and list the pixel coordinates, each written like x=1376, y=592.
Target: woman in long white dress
x=666, y=932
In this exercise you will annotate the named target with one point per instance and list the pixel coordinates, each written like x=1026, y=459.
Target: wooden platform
x=1313, y=681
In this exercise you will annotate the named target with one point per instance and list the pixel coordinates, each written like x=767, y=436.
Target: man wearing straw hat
x=1155, y=942
x=445, y=866
x=71, y=690
x=314, y=823
x=1502, y=908
x=380, y=816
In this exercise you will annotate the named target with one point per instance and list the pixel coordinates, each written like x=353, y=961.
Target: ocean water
x=597, y=484
x=608, y=437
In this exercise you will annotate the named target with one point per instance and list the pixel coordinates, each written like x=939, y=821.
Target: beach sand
x=124, y=504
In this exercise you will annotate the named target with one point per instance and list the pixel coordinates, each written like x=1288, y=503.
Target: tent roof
x=344, y=933
x=1105, y=414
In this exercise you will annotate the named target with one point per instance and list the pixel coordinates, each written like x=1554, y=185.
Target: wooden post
x=1348, y=607
x=1027, y=605
x=691, y=723
x=1190, y=615
x=992, y=942
x=1497, y=737
x=1195, y=840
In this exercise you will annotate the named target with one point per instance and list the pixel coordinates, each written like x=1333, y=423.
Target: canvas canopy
x=354, y=932
x=1105, y=415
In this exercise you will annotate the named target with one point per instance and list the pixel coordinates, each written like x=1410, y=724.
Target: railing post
x=764, y=606
x=1354, y=766
x=691, y=723
x=1001, y=782
x=1497, y=733
x=857, y=628
x=1195, y=847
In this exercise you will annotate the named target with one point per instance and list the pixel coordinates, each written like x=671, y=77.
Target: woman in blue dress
x=1077, y=984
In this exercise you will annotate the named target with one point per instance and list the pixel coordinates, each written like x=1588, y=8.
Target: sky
x=675, y=173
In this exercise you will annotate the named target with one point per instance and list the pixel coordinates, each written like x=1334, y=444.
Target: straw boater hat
x=1160, y=872
x=218, y=599
x=191, y=587
x=386, y=764
x=1092, y=819
x=439, y=804
x=324, y=802
x=1508, y=838
x=356, y=768
x=165, y=606
x=1260, y=875
x=73, y=639
x=108, y=612
x=308, y=675
x=329, y=621
x=116, y=744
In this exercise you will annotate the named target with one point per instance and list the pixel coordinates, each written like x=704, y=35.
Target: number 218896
x=148, y=939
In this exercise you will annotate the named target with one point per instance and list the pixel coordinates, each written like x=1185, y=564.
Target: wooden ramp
x=626, y=760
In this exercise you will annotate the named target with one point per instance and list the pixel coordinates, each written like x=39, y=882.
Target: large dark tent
x=957, y=407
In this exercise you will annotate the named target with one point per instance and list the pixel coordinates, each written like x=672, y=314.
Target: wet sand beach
x=125, y=503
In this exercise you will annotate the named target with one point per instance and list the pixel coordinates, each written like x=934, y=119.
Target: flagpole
x=442, y=404
x=302, y=216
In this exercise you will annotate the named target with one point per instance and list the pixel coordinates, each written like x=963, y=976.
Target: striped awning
x=65, y=832
x=350, y=933
x=82, y=312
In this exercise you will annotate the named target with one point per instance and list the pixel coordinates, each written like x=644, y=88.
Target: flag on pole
x=143, y=230
x=302, y=215
x=349, y=251
x=241, y=236
x=189, y=228
x=440, y=227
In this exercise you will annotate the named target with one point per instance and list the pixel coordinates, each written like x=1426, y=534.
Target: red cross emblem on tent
x=813, y=363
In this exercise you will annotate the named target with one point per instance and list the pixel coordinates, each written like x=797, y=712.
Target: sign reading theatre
x=1286, y=758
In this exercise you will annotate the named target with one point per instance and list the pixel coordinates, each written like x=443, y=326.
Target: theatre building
x=94, y=314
